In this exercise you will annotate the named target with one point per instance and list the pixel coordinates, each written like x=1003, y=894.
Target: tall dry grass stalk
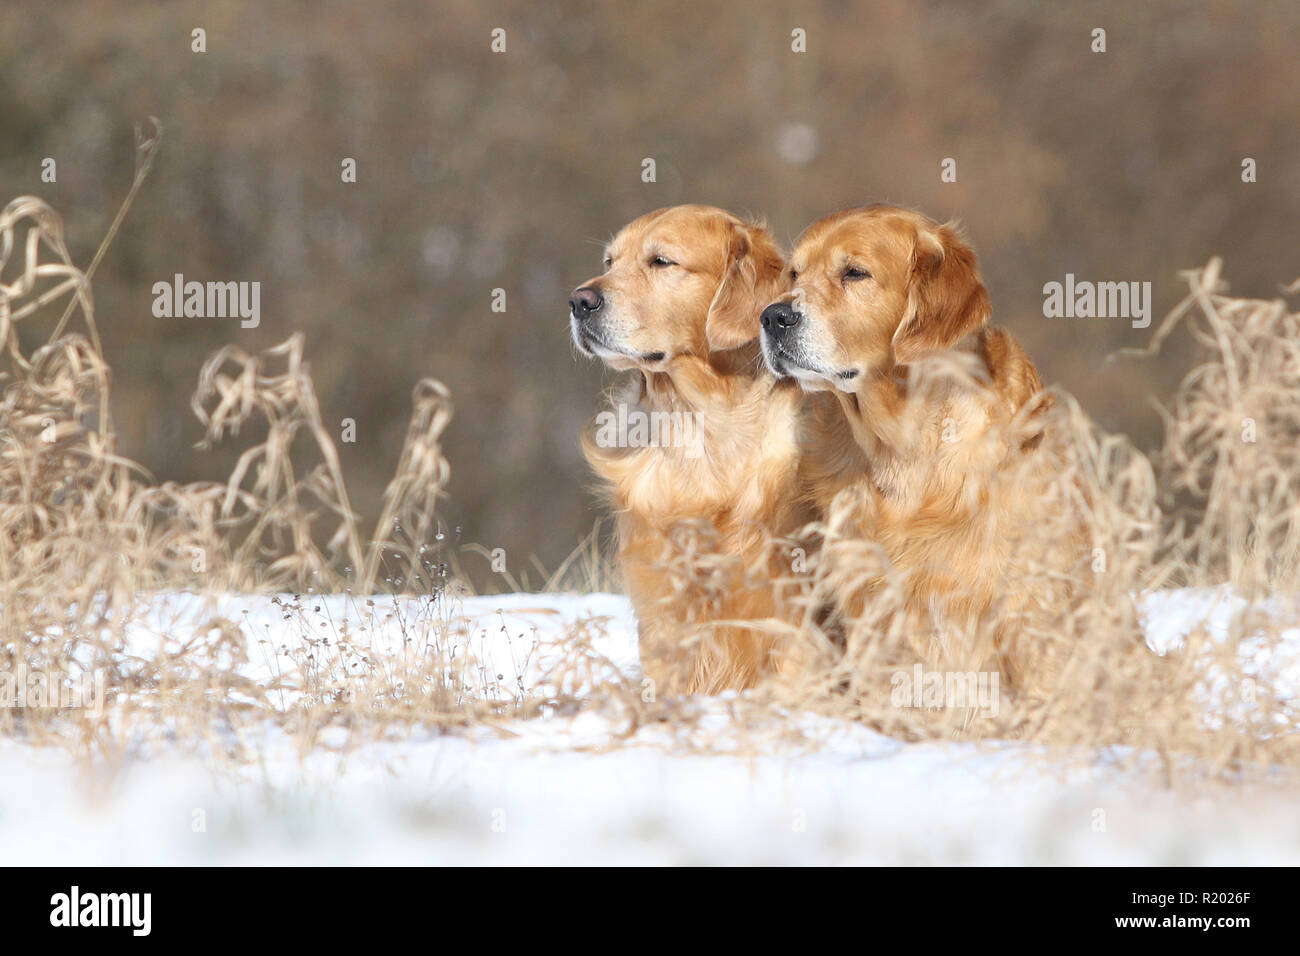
x=89, y=539
x=1231, y=459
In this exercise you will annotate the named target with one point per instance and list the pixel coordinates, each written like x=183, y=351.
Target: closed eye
x=661, y=262
x=855, y=274
x=608, y=261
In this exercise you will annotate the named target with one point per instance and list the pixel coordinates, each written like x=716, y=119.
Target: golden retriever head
x=873, y=288
x=681, y=281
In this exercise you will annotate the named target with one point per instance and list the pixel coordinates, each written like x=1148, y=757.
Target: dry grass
x=90, y=538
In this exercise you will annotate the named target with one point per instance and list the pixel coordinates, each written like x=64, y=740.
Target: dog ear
x=751, y=281
x=946, y=300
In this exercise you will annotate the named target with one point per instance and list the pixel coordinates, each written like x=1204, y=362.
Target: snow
x=552, y=790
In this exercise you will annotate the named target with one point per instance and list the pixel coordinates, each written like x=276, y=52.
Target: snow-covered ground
x=548, y=791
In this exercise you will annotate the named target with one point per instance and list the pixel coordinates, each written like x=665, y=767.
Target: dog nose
x=779, y=316
x=585, y=302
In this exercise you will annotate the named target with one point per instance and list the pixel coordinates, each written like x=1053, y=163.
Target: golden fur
x=926, y=435
x=682, y=291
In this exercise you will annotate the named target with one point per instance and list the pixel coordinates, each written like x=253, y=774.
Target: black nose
x=779, y=316
x=585, y=302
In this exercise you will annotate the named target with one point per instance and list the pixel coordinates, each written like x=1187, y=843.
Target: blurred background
x=479, y=170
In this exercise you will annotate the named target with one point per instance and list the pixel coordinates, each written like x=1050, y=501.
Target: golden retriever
x=697, y=451
x=928, y=431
